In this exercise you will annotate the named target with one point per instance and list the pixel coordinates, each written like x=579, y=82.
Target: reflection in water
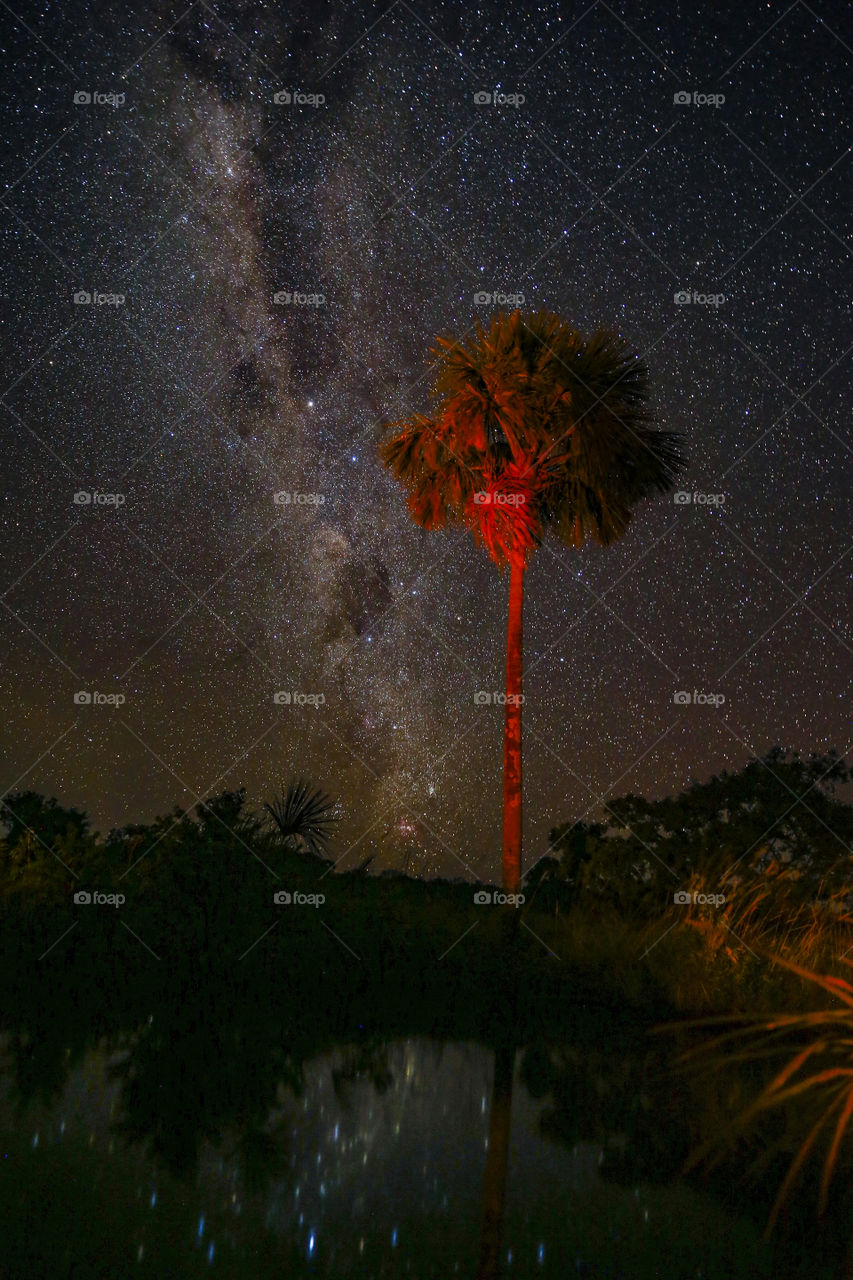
x=497, y=1157
x=225, y=1136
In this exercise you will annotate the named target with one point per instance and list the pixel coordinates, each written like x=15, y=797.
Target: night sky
x=382, y=210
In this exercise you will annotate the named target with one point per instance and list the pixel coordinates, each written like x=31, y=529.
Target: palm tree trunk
x=512, y=732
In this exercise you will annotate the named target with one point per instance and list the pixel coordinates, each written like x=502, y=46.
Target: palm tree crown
x=535, y=427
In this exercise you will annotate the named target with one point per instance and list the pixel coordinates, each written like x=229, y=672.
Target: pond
x=191, y=1145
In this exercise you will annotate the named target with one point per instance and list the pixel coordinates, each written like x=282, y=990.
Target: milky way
x=283, y=267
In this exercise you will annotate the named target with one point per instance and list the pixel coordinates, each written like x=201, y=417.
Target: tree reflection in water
x=497, y=1159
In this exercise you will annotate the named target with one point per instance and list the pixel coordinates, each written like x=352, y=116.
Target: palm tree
x=535, y=428
x=303, y=816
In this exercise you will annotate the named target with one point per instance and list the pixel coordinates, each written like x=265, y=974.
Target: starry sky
x=267, y=277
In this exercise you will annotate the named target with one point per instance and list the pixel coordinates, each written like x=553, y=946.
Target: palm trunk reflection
x=497, y=1157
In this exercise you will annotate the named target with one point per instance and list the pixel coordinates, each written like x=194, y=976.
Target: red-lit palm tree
x=534, y=428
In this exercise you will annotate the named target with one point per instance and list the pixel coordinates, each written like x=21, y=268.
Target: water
x=188, y=1144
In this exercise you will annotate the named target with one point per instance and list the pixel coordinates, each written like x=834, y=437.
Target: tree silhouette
x=303, y=816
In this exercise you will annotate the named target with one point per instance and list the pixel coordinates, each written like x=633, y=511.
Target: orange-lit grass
x=769, y=914
x=819, y=1074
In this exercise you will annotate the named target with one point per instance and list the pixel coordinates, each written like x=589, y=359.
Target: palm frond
x=434, y=474
x=818, y=1076
x=504, y=514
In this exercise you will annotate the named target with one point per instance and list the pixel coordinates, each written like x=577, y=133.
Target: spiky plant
x=534, y=429
x=817, y=1078
x=304, y=817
